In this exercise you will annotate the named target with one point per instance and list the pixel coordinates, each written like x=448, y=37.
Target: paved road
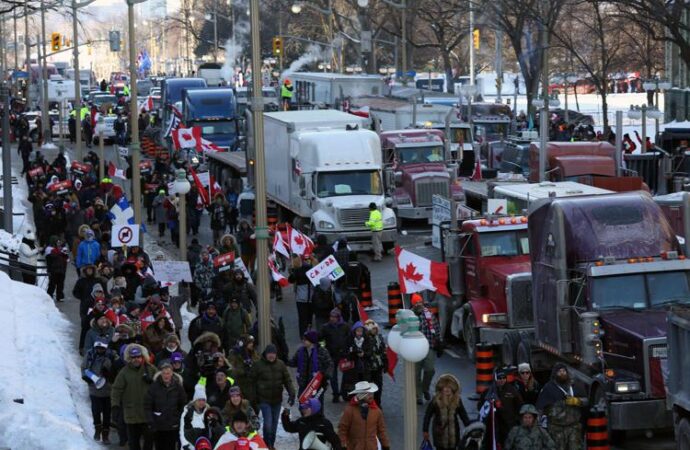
x=454, y=360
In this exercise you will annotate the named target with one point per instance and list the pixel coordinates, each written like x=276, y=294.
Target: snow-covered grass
x=42, y=395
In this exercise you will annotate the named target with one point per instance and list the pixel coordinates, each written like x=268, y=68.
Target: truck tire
x=470, y=333
x=683, y=435
x=509, y=348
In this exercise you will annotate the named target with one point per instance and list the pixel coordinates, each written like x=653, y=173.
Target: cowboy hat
x=364, y=387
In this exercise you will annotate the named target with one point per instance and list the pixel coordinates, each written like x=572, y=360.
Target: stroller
x=472, y=436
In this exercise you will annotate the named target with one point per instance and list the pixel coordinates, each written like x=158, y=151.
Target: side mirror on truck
x=398, y=178
x=302, y=187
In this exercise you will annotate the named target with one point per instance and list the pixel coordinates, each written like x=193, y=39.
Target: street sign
x=124, y=235
x=439, y=214
x=123, y=151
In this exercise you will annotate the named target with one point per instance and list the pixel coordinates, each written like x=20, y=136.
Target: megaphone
x=99, y=382
x=312, y=442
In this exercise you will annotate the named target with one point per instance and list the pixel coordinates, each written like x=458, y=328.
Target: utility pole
x=215, y=31
x=264, y=296
x=6, y=146
x=134, y=149
x=27, y=45
x=77, y=82
x=45, y=117
x=16, y=44
x=471, y=44
x=499, y=65
x=404, y=39
x=544, y=116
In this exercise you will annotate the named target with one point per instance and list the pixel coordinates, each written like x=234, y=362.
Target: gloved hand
x=573, y=401
x=291, y=401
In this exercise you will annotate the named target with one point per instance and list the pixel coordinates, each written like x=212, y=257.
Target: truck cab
x=212, y=110
x=415, y=162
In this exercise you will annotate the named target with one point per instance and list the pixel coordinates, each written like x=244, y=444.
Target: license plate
x=659, y=352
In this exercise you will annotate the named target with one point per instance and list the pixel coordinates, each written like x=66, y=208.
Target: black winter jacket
x=163, y=404
x=317, y=423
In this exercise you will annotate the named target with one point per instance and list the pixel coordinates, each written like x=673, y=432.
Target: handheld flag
x=417, y=274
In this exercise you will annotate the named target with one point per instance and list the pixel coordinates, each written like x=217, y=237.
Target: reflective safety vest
x=125, y=90
x=285, y=92
x=375, y=222
x=202, y=381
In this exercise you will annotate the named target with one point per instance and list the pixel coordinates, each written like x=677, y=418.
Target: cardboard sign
x=35, y=173
x=80, y=168
x=239, y=264
x=312, y=389
x=124, y=235
x=123, y=151
x=61, y=188
x=150, y=187
x=171, y=271
x=145, y=167
x=224, y=262
x=329, y=267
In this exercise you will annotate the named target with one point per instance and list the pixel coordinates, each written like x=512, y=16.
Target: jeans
x=136, y=431
x=100, y=411
x=304, y=317
x=335, y=386
x=270, y=414
x=56, y=285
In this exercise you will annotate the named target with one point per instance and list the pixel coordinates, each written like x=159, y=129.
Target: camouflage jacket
x=534, y=438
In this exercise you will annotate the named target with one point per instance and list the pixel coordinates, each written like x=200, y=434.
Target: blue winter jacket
x=88, y=252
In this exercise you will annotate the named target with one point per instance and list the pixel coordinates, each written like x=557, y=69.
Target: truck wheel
x=509, y=348
x=683, y=435
x=471, y=335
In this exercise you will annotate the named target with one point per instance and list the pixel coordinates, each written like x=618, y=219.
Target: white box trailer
x=520, y=196
x=324, y=169
x=328, y=90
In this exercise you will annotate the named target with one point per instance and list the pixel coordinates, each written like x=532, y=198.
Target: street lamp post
x=182, y=187
x=264, y=300
x=656, y=85
x=406, y=340
x=134, y=114
x=77, y=78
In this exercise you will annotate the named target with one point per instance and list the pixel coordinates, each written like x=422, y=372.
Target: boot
x=105, y=433
x=97, y=433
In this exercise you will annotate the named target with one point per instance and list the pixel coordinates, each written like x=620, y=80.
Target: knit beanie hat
x=199, y=393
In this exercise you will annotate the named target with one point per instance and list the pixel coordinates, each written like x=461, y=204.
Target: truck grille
x=519, y=299
x=425, y=189
x=353, y=217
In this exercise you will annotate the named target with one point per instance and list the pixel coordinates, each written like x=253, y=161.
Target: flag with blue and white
x=122, y=213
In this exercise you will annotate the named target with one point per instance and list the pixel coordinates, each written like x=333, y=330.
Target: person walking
x=506, y=400
x=57, y=257
x=271, y=378
x=376, y=360
x=240, y=436
x=163, y=404
x=430, y=327
x=375, y=225
x=192, y=418
x=444, y=413
x=303, y=292
x=335, y=334
x=24, y=149
x=529, y=435
x=311, y=359
x=128, y=393
x=362, y=425
x=312, y=421
x=100, y=361
x=236, y=323
x=159, y=208
x=237, y=403
x=286, y=92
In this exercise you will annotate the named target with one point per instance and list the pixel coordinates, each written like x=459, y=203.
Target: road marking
x=451, y=353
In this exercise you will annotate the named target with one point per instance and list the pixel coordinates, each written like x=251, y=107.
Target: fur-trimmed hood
x=123, y=328
x=176, y=377
x=448, y=380
x=207, y=336
x=143, y=350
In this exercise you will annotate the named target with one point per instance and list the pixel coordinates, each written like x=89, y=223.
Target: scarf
x=445, y=426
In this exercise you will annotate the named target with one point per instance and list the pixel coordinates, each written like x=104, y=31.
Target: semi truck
x=604, y=270
x=678, y=364
x=322, y=171
x=417, y=168
x=330, y=90
x=214, y=110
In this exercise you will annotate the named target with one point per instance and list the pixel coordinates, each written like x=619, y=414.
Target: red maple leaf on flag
x=299, y=240
x=410, y=273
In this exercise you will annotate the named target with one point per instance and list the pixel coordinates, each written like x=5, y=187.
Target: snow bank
x=42, y=395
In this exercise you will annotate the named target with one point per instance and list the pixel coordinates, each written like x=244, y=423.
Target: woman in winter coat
x=527, y=385
x=355, y=353
x=192, y=418
x=444, y=413
x=163, y=405
x=312, y=420
x=375, y=357
x=155, y=334
x=362, y=421
x=236, y=402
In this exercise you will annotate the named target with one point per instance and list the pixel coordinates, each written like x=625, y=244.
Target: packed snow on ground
x=43, y=401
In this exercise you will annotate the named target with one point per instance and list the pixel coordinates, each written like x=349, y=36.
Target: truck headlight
x=626, y=387
x=323, y=224
x=389, y=221
x=494, y=318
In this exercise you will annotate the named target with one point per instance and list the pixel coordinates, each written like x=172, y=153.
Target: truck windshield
x=639, y=291
x=504, y=243
x=460, y=136
x=410, y=155
x=491, y=129
x=215, y=128
x=330, y=184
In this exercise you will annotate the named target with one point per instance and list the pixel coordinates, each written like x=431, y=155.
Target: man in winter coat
x=561, y=402
x=322, y=302
x=163, y=405
x=219, y=212
x=312, y=420
x=192, y=418
x=159, y=208
x=240, y=436
x=335, y=333
x=57, y=256
x=89, y=250
x=206, y=321
x=240, y=289
x=236, y=323
x=203, y=275
x=529, y=435
x=24, y=149
x=128, y=394
x=271, y=377
x=362, y=421
x=242, y=358
x=100, y=361
x=101, y=330
x=309, y=360
x=507, y=401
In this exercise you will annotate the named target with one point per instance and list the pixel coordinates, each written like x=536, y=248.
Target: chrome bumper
x=415, y=212
x=360, y=240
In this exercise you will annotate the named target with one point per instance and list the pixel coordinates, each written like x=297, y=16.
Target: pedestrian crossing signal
x=56, y=41
x=277, y=46
x=475, y=38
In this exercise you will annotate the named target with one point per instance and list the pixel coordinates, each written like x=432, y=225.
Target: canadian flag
x=279, y=244
x=300, y=244
x=203, y=194
x=147, y=105
x=277, y=276
x=187, y=138
x=114, y=172
x=209, y=147
x=419, y=274
x=214, y=186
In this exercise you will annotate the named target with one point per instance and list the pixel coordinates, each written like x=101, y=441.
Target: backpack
x=322, y=301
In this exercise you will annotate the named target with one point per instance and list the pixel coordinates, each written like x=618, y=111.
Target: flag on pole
x=277, y=276
x=299, y=243
x=392, y=362
x=477, y=174
x=213, y=186
x=175, y=121
x=187, y=138
x=417, y=274
x=200, y=187
x=114, y=172
x=279, y=244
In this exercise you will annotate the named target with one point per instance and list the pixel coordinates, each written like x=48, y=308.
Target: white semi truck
x=323, y=169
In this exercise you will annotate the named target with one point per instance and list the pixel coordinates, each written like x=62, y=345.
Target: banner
x=224, y=262
x=329, y=267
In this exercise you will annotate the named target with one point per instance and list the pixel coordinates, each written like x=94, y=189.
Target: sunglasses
x=525, y=372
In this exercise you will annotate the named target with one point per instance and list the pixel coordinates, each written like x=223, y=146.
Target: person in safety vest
x=375, y=224
x=239, y=436
x=286, y=94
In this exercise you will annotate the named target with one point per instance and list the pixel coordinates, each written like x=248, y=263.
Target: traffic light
x=277, y=46
x=55, y=41
x=475, y=38
x=114, y=39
